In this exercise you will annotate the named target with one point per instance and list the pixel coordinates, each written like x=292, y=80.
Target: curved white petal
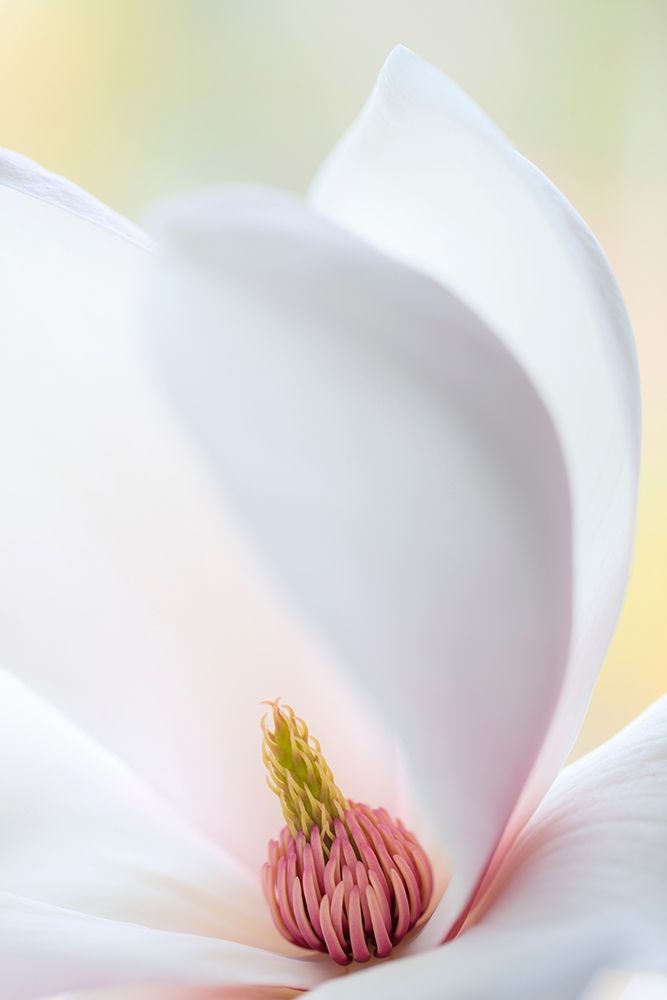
x=399, y=472
x=619, y=985
x=126, y=596
x=78, y=830
x=646, y=988
x=45, y=950
x=606, y=985
x=484, y=965
x=23, y=175
x=584, y=889
x=426, y=177
x=597, y=847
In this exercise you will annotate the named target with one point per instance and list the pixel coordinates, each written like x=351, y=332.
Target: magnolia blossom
x=375, y=454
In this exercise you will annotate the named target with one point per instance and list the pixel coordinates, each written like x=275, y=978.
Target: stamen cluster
x=359, y=902
x=342, y=878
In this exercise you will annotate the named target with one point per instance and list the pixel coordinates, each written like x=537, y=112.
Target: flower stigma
x=342, y=877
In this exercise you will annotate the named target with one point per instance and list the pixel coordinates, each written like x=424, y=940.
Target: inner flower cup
x=343, y=878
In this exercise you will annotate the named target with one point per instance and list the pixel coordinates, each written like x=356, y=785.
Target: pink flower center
x=352, y=885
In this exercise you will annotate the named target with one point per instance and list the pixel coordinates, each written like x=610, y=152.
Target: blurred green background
x=135, y=99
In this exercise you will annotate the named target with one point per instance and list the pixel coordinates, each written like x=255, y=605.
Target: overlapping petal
x=400, y=473
x=597, y=849
x=127, y=598
x=485, y=966
x=426, y=177
x=103, y=884
x=79, y=831
x=584, y=889
x=648, y=987
x=78, y=952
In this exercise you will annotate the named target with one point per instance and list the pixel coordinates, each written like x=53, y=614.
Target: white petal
x=646, y=988
x=194, y=993
x=400, y=473
x=607, y=985
x=78, y=830
x=484, y=965
x=25, y=176
x=618, y=985
x=127, y=598
x=597, y=847
x=45, y=951
x=426, y=177
x=584, y=889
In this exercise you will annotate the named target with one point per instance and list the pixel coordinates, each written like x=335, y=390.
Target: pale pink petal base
x=583, y=890
x=47, y=950
x=596, y=849
x=81, y=832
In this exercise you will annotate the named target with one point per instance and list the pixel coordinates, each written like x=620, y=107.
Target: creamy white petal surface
x=619, y=985
x=597, y=847
x=583, y=889
x=426, y=177
x=27, y=177
x=485, y=966
x=127, y=597
x=80, y=831
x=400, y=473
x=78, y=952
x=646, y=988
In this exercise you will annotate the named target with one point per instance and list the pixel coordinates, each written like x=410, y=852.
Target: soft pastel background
x=135, y=99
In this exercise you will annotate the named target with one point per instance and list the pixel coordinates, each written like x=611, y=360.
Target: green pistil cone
x=300, y=776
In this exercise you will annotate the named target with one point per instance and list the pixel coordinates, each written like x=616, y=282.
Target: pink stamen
x=383, y=943
x=410, y=881
x=402, y=907
x=307, y=930
x=331, y=939
x=359, y=897
x=360, y=952
x=318, y=856
x=338, y=917
x=362, y=881
x=311, y=891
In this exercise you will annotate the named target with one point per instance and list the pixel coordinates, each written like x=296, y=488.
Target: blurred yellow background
x=134, y=99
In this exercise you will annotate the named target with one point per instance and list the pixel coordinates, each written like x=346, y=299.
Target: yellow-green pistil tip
x=299, y=775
